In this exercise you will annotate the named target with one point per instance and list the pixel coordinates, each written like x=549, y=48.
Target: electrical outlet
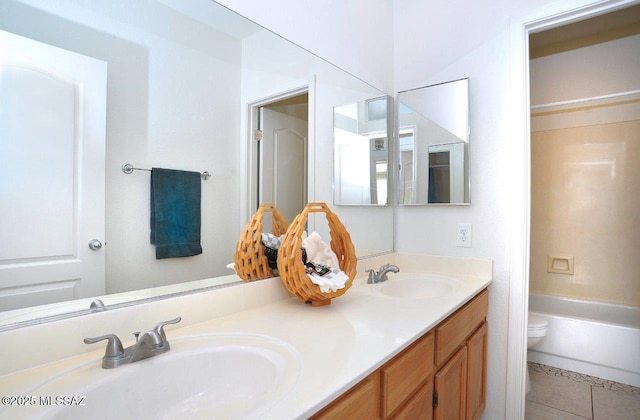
x=463, y=238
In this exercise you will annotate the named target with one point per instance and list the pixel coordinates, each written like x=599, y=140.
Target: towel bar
x=128, y=168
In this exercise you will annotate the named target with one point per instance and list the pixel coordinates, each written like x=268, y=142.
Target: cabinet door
x=451, y=388
x=361, y=402
x=419, y=406
x=477, y=372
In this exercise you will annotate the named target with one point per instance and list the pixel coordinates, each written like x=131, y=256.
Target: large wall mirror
x=433, y=124
x=178, y=84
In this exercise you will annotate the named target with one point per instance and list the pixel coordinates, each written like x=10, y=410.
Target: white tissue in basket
x=318, y=252
x=330, y=282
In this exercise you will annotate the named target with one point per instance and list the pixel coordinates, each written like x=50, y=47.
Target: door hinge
x=435, y=398
x=258, y=135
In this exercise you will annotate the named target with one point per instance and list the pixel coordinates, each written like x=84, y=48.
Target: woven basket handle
x=314, y=207
x=280, y=224
x=267, y=207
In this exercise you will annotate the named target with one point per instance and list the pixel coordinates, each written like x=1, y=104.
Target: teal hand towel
x=175, y=213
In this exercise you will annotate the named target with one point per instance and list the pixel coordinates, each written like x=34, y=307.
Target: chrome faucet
x=97, y=306
x=381, y=275
x=149, y=344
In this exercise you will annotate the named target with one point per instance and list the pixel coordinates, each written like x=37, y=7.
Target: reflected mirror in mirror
x=165, y=83
x=433, y=128
x=361, y=152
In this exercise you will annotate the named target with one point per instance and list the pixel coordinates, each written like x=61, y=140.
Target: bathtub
x=594, y=338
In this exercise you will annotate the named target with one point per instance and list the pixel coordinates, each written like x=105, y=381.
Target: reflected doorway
x=281, y=136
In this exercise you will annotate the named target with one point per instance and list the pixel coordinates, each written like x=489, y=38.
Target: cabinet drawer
x=451, y=333
x=405, y=373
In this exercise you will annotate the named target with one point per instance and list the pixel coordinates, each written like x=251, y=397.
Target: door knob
x=95, y=244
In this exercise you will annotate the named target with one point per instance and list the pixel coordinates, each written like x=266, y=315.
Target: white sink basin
x=416, y=286
x=208, y=376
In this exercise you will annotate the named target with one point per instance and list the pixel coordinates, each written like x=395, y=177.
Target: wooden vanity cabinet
x=440, y=376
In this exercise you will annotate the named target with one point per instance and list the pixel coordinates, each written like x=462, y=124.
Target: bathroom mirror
x=180, y=77
x=361, y=153
x=433, y=130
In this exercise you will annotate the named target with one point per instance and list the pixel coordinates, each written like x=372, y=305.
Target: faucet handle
x=372, y=276
x=159, y=329
x=114, y=345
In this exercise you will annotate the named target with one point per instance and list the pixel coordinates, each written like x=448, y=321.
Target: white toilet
x=537, y=329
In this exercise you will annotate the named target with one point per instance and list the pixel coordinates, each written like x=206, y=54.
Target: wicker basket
x=250, y=260
x=290, y=265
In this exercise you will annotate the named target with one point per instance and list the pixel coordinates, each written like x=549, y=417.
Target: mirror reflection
x=433, y=124
x=361, y=152
x=171, y=84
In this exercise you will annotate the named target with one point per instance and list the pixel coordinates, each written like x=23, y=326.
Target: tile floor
x=564, y=395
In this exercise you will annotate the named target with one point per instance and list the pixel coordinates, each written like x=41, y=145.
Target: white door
x=283, y=162
x=52, y=173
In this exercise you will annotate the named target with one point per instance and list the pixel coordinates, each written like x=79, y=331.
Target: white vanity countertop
x=339, y=344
